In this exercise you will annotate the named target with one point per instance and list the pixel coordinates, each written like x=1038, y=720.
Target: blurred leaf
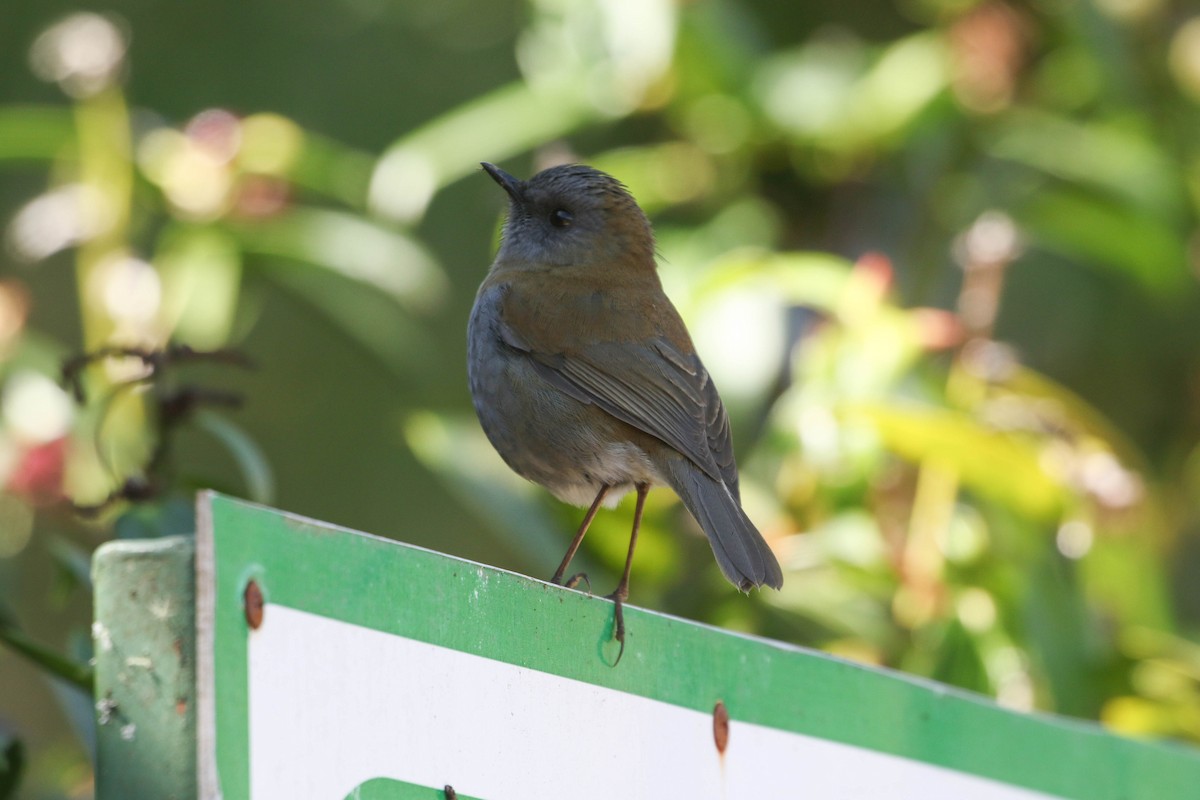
x=801, y=278
x=1123, y=163
x=908, y=75
x=958, y=661
x=1124, y=576
x=332, y=169
x=1060, y=636
x=35, y=132
x=200, y=270
x=256, y=470
x=1141, y=643
x=12, y=763
x=1006, y=467
x=78, y=706
x=823, y=596
x=1136, y=716
x=1076, y=412
x=501, y=124
x=172, y=516
x=824, y=72
x=374, y=321
x=73, y=569
x=72, y=559
x=828, y=93
x=391, y=262
x=1089, y=229
x=718, y=49
x=56, y=664
x=745, y=226
x=661, y=175
x=459, y=454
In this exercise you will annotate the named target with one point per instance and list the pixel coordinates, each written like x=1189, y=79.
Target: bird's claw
x=618, y=599
x=574, y=580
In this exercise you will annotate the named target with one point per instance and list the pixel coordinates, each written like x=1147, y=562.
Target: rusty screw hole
x=721, y=726
x=253, y=599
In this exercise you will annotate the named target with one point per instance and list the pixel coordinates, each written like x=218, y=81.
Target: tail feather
x=743, y=555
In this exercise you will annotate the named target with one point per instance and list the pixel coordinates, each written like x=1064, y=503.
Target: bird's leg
x=621, y=593
x=583, y=528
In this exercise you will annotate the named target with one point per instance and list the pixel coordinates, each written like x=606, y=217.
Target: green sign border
x=429, y=597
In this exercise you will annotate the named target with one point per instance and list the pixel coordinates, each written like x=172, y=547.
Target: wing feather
x=640, y=387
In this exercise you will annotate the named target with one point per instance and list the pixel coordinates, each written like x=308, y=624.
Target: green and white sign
x=376, y=670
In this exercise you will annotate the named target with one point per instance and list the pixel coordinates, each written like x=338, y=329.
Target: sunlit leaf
x=824, y=72
x=1075, y=411
x=1001, y=465
x=831, y=93
x=1123, y=575
x=1140, y=642
x=200, y=270
x=802, y=278
x=1136, y=716
x=908, y=75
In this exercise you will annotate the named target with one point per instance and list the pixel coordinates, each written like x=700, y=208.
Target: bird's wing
x=652, y=386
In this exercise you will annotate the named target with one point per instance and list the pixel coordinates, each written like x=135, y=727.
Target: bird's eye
x=561, y=218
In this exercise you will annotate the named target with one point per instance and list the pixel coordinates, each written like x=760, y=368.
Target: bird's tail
x=741, y=552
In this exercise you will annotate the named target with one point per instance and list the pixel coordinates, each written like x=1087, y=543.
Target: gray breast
x=544, y=435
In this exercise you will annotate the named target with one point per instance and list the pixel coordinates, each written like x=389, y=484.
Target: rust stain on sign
x=721, y=726
x=253, y=599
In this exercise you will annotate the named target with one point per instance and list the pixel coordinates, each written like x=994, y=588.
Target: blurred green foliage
x=941, y=256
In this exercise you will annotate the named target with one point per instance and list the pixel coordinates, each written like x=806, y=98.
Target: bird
x=585, y=379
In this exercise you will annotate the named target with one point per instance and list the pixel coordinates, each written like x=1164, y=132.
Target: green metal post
x=145, y=644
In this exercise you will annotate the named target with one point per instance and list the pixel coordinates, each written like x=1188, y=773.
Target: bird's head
x=573, y=216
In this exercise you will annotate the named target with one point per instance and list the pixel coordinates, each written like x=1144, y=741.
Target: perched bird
x=585, y=379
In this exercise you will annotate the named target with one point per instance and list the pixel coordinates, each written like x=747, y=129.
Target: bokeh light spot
x=35, y=408
x=82, y=53
x=270, y=144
